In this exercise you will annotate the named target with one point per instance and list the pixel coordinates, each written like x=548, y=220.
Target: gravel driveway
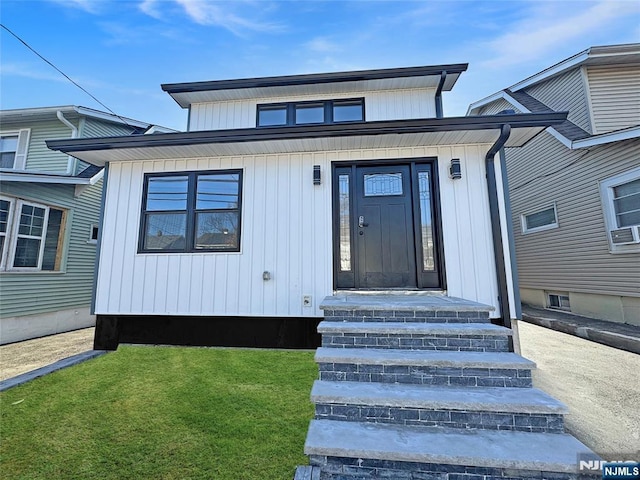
x=21, y=357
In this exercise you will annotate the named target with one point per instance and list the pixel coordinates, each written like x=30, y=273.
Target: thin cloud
x=89, y=6
x=544, y=29
x=322, y=45
x=26, y=70
x=213, y=13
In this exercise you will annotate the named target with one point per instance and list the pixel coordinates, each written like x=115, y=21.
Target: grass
x=162, y=413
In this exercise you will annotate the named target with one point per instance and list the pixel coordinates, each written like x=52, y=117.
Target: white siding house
x=338, y=181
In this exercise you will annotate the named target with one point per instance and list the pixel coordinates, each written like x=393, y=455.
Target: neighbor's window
x=621, y=206
x=31, y=235
x=191, y=212
x=93, y=234
x=558, y=301
x=542, y=219
x=13, y=148
x=308, y=113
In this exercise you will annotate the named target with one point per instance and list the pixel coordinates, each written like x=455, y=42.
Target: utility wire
x=62, y=73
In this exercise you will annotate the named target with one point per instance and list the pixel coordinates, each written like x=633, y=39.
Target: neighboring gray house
x=49, y=212
x=575, y=189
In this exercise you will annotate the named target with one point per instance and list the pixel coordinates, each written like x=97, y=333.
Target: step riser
x=434, y=316
x=459, y=343
x=340, y=468
x=425, y=375
x=541, y=423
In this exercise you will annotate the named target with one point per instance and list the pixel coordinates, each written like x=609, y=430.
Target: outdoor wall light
x=455, y=171
x=317, y=180
x=266, y=275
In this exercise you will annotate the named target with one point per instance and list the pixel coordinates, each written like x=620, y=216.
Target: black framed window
x=191, y=212
x=309, y=113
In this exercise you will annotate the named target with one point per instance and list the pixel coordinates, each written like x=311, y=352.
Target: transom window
x=309, y=113
x=543, y=219
x=31, y=235
x=191, y=212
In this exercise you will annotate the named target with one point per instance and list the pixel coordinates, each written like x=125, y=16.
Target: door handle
x=361, y=223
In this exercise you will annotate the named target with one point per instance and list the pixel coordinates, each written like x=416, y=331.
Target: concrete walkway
x=21, y=357
x=599, y=384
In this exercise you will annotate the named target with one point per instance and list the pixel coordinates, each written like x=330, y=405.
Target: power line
x=62, y=73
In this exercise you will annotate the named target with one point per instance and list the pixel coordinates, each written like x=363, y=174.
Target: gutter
x=443, y=77
x=71, y=161
x=496, y=229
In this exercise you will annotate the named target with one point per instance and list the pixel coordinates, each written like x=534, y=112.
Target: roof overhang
x=573, y=144
x=314, y=138
x=49, y=113
x=600, y=55
x=359, y=81
x=32, y=177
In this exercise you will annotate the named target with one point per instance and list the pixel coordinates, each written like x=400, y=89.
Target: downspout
x=443, y=77
x=71, y=162
x=496, y=230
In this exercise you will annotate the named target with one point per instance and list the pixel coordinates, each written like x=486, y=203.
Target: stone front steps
x=361, y=449
x=482, y=369
x=416, y=387
x=527, y=410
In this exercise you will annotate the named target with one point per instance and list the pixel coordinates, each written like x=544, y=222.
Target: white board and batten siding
x=615, y=97
x=286, y=230
x=379, y=105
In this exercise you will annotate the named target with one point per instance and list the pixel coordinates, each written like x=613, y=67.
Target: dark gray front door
x=384, y=227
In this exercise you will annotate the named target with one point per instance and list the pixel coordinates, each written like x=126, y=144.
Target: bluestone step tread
x=400, y=328
x=489, y=399
x=375, y=356
x=545, y=452
x=402, y=302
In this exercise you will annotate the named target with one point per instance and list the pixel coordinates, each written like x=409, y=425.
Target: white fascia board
x=552, y=71
x=610, y=137
x=485, y=101
x=39, y=178
x=88, y=112
x=97, y=177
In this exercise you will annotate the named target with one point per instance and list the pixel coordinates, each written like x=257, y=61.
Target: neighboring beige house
x=575, y=189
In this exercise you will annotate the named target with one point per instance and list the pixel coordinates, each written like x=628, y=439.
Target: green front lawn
x=162, y=413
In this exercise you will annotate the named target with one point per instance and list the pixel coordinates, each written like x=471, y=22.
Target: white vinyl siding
x=566, y=92
x=286, y=230
x=615, y=97
x=379, y=105
x=574, y=257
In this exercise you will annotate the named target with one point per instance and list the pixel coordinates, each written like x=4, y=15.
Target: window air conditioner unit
x=625, y=236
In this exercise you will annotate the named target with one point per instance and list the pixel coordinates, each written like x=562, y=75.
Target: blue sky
x=122, y=50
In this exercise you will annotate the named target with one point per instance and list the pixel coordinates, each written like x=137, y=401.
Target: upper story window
x=309, y=113
x=31, y=235
x=621, y=206
x=191, y=212
x=13, y=149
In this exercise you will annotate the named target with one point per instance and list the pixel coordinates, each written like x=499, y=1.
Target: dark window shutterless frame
x=348, y=110
x=225, y=222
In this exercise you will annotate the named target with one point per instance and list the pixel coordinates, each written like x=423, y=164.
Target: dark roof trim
x=334, y=77
x=478, y=122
